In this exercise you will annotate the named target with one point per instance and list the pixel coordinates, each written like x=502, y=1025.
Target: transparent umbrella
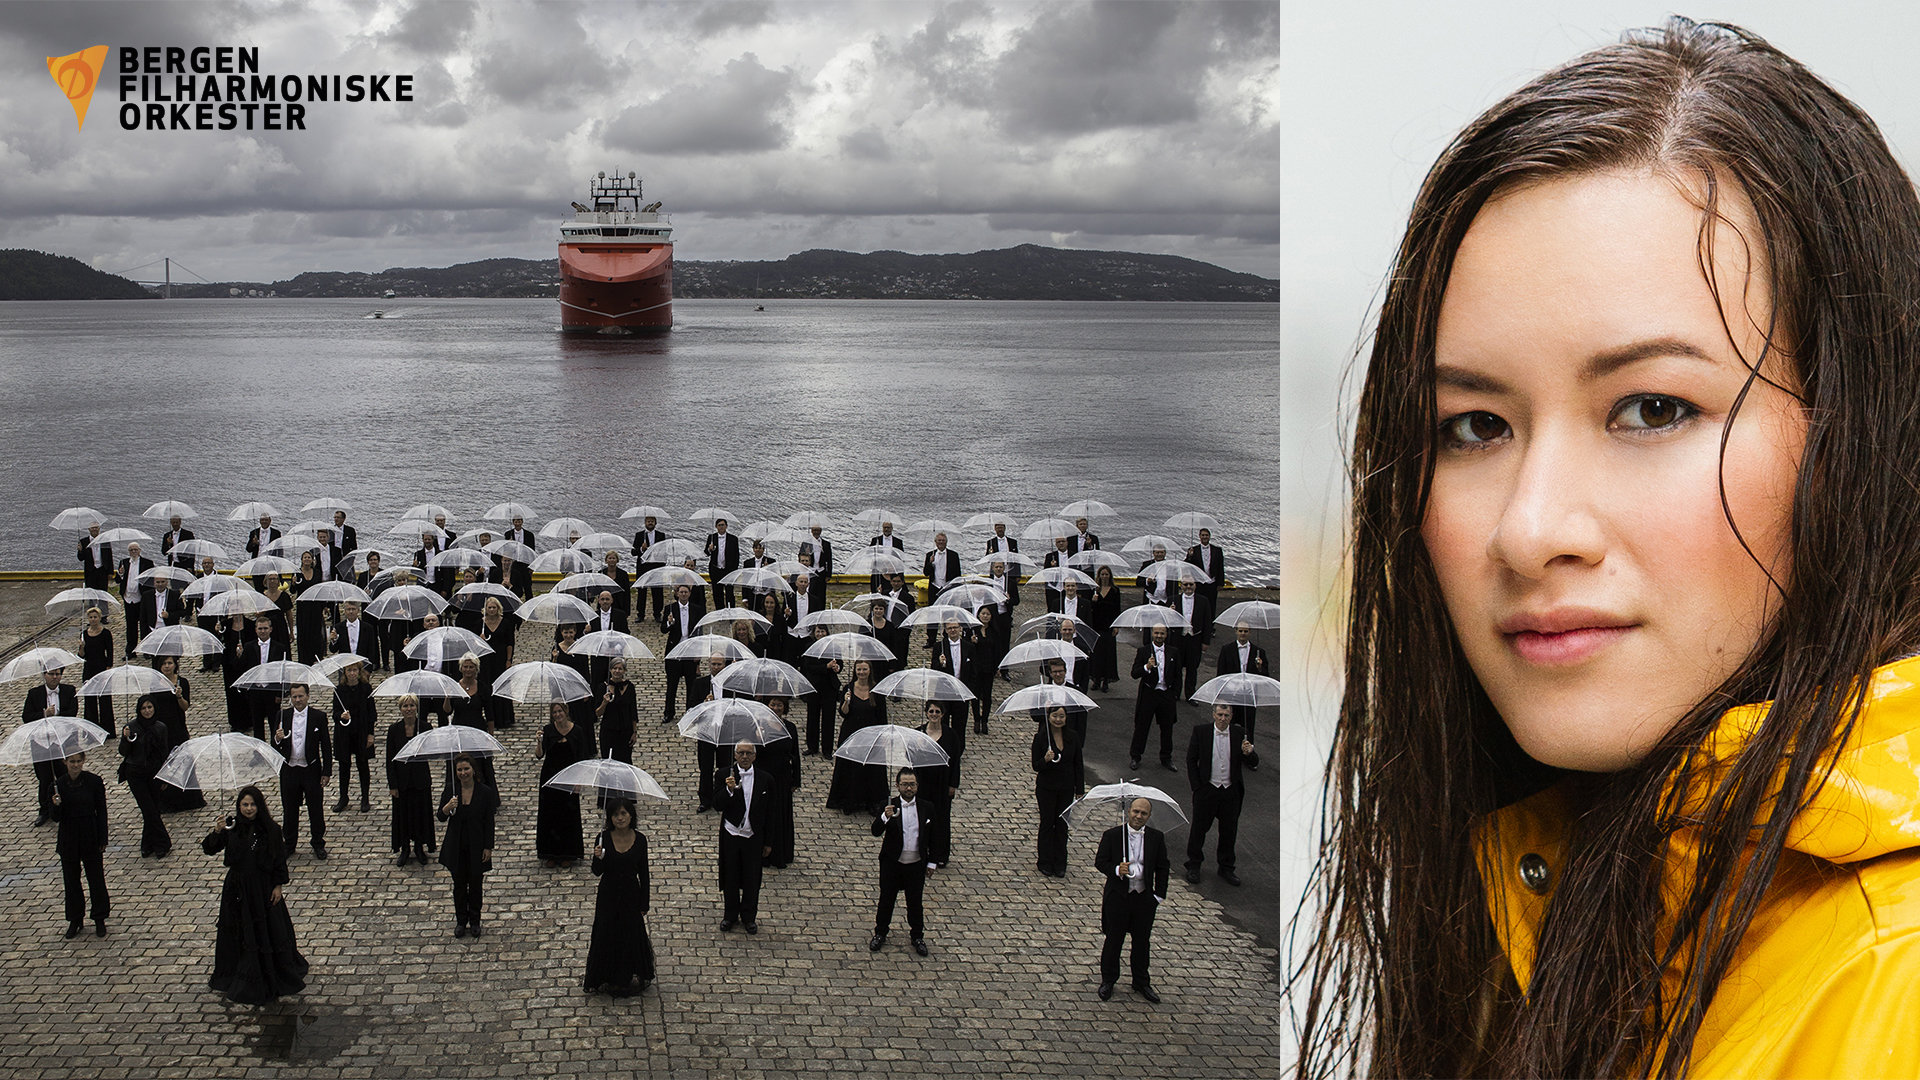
x=758, y=579
x=555, y=608
x=669, y=577
x=560, y=527
x=989, y=520
x=447, y=742
x=126, y=679
x=878, y=516
x=243, y=601
x=763, y=677
x=636, y=513
x=507, y=511
x=893, y=745
x=539, y=682
x=835, y=620
x=326, y=505
x=37, y=662
x=1144, y=545
x=1192, y=521
x=1039, y=652
x=1056, y=576
x=1239, y=688
x=406, y=602
x=807, y=519
x=940, y=615
x=607, y=778
x=252, y=511
x=1013, y=560
x=1092, y=559
x=865, y=601
x=215, y=584
x=1105, y=805
x=424, y=684
x=849, y=647
x=357, y=560
x=1041, y=627
x=562, y=561
x=934, y=525
x=731, y=615
x=119, y=536
x=416, y=527
x=280, y=675
x=1045, y=696
x=1175, y=571
x=77, y=517
x=291, y=544
x=169, y=508
x=972, y=595
x=330, y=667
x=612, y=643
x=334, y=592
x=706, y=646
x=602, y=542
x=1048, y=529
x=586, y=583
x=923, y=684
x=178, y=640
x=474, y=597
x=1146, y=616
x=74, y=601
x=459, y=557
x=1257, y=614
x=198, y=549
x=444, y=643
x=266, y=564
x=676, y=551
x=883, y=560
x=726, y=721
x=510, y=549
x=711, y=514
x=51, y=738
x=1087, y=508
x=221, y=762
x=427, y=511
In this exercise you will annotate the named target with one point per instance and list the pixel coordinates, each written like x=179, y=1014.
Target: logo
x=77, y=74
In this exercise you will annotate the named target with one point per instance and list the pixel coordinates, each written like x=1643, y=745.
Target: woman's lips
x=1564, y=647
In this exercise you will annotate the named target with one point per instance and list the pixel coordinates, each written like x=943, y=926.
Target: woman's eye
x=1651, y=412
x=1474, y=429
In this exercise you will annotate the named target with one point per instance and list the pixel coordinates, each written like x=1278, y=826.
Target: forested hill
x=36, y=275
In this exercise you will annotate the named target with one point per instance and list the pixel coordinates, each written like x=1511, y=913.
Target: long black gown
x=96, y=656
x=557, y=834
x=581, y=710
x=934, y=782
x=167, y=710
x=412, y=785
x=858, y=788
x=620, y=955
x=1106, y=655
x=781, y=764
x=497, y=709
x=617, y=724
x=255, y=959
x=310, y=623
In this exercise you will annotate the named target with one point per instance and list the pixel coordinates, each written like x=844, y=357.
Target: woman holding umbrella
x=620, y=954
x=824, y=674
x=80, y=806
x=171, y=710
x=991, y=641
x=1057, y=772
x=468, y=807
x=564, y=637
x=940, y=783
x=470, y=711
x=1099, y=615
x=781, y=760
x=310, y=622
x=282, y=604
x=143, y=749
x=255, y=959
x=557, y=832
x=96, y=656
x=618, y=709
x=496, y=630
x=353, y=727
x=859, y=788
x=778, y=640
x=410, y=786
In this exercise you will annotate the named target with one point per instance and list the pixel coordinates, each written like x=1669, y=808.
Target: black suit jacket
x=96, y=563
x=1113, y=898
x=892, y=832
x=969, y=658
x=319, y=743
x=82, y=814
x=1229, y=659
x=723, y=555
x=168, y=539
x=36, y=704
x=1149, y=679
x=124, y=573
x=733, y=804
x=369, y=645
x=994, y=544
x=617, y=617
x=349, y=539
x=1075, y=547
x=643, y=540
x=822, y=555
x=254, y=543
x=1217, y=569
x=1199, y=616
x=155, y=602
x=1200, y=757
x=952, y=561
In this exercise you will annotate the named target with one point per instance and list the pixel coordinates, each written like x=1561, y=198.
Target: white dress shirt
x=744, y=830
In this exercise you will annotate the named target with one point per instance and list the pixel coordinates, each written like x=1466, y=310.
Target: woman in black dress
x=780, y=762
x=557, y=831
x=825, y=676
x=772, y=606
x=619, y=711
x=471, y=711
x=468, y=807
x=1100, y=615
x=255, y=959
x=96, y=656
x=310, y=622
x=940, y=783
x=143, y=749
x=990, y=641
x=353, y=727
x=620, y=954
x=282, y=607
x=1056, y=780
x=497, y=631
x=582, y=710
x=859, y=789
x=410, y=786
x=171, y=710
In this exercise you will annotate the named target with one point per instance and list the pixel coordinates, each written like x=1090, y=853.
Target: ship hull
x=612, y=289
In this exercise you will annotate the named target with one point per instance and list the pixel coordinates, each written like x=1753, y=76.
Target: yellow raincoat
x=1826, y=982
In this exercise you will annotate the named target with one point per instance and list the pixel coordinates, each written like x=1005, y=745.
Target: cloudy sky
x=767, y=128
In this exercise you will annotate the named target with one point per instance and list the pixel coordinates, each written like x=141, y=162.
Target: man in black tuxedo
x=1057, y=557
x=260, y=537
x=750, y=598
x=1193, y=641
x=353, y=634
x=942, y=568
x=266, y=647
x=51, y=698
x=742, y=798
x=1212, y=562
x=328, y=556
x=133, y=592
x=1238, y=655
x=723, y=558
x=606, y=616
x=1000, y=541
x=439, y=579
x=822, y=551
x=677, y=622
x=954, y=654
x=909, y=828
x=1153, y=587
x=349, y=538
x=1133, y=860
x=1157, y=665
x=302, y=738
x=648, y=536
x=161, y=605
x=174, y=535
x=96, y=561
x=1082, y=540
x=623, y=582
x=885, y=539
x=1215, y=753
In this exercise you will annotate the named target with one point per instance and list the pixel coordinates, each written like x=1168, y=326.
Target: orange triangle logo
x=77, y=74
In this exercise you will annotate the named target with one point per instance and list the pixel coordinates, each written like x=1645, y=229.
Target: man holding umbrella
x=96, y=560
x=51, y=698
x=723, y=558
x=648, y=536
x=302, y=739
x=349, y=538
x=172, y=537
x=1212, y=562
x=908, y=827
x=1215, y=754
x=133, y=594
x=1157, y=665
x=1133, y=860
x=743, y=837
x=1239, y=655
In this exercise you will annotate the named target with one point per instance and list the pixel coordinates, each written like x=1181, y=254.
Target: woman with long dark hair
x=96, y=656
x=1100, y=614
x=557, y=827
x=143, y=749
x=619, y=712
x=410, y=786
x=310, y=619
x=1056, y=780
x=1621, y=782
x=255, y=959
x=857, y=788
x=497, y=631
x=468, y=806
x=170, y=708
x=620, y=954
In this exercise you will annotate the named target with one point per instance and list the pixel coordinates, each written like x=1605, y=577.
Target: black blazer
x=1217, y=570
x=952, y=561
x=1062, y=774
x=643, y=540
x=167, y=540
x=822, y=555
x=36, y=706
x=1229, y=659
x=1113, y=898
x=1150, y=679
x=96, y=563
x=123, y=573
x=994, y=543
x=349, y=539
x=1075, y=547
x=723, y=554
x=153, y=607
x=1199, y=616
x=892, y=831
x=1200, y=757
x=316, y=737
x=943, y=657
x=254, y=542
x=733, y=804
x=369, y=645
x=82, y=814
x=670, y=622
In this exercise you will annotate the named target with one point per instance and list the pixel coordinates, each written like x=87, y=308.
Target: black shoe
x=341, y=806
x=42, y=820
x=474, y=932
x=726, y=924
x=99, y=928
x=920, y=945
x=1133, y=763
x=460, y=930
x=1229, y=877
x=365, y=805
x=320, y=852
x=1193, y=877
x=73, y=931
x=876, y=942
x=1106, y=991
x=422, y=856
x=752, y=926
x=403, y=860
x=1147, y=992
x=1168, y=765
x=161, y=853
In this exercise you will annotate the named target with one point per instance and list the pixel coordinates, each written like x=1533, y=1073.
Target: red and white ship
x=616, y=262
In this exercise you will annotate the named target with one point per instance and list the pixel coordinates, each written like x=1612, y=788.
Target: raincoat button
x=1534, y=873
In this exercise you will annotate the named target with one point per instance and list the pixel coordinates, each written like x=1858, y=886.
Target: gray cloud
x=544, y=57
x=743, y=110
x=434, y=27
x=867, y=144
x=952, y=63
x=713, y=19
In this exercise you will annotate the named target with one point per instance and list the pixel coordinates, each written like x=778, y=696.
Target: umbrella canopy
x=213, y=585
x=866, y=600
x=1144, y=545
x=972, y=596
x=1013, y=560
x=940, y=615
x=608, y=778
x=645, y=510
x=119, y=536
x=334, y=592
x=555, y=608
x=835, y=620
x=849, y=647
x=333, y=665
x=562, y=561
x=989, y=520
x=326, y=505
x=37, y=662
x=444, y=643
x=881, y=560
x=733, y=615
x=291, y=544
x=612, y=643
x=428, y=511
x=1176, y=570
x=126, y=679
x=893, y=745
x=1257, y=614
x=510, y=549
x=1092, y=559
x=169, y=508
x=74, y=601
x=242, y=601
x=1048, y=529
x=876, y=517
x=705, y=646
x=934, y=525
x=1087, y=508
x=457, y=557
x=675, y=551
x=711, y=514
x=541, y=681
x=281, y=675
x=559, y=527
x=474, y=597
x=1040, y=651
x=357, y=558
x=726, y=721
x=178, y=640
x=51, y=738
x=252, y=511
x=786, y=568
x=923, y=684
x=1045, y=696
x=77, y=517
x=221, y=762
x=424, y=684
x=670, y=577
x=1105, y=805
x=412, y=527
x=758, y=579
x=266, y=564
x=406, y=602
x=1147, y=616
x=1056, y=576
x=448, y=742
x=587, y=583
x=1043, y=627
x=198, y=549
x=507, y=511
x=1192, y=521
x=807, y=519
x=763, y=677
x=603, y=542
x=1239, y=688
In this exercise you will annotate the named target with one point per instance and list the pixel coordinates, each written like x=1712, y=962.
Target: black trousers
x=819, y=722
x=96, y=884
x=1154, y=705
x=361, y=753
x=300, y=783
x=1140, y=908
x=722, y=595
x=43, y=774
x=466, y=898
x=1213, y=805
x=99, y=710
x=740, y=874
x=894, y=877
x=153, y=828
x=706, y=754
x=1053, y=830
x=677, y=672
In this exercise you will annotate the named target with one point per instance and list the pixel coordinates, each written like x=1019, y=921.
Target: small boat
x=759, y=307
x=377, y=314
x=389, y=295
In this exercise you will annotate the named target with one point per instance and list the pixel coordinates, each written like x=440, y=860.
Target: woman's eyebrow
x=1603, y=364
